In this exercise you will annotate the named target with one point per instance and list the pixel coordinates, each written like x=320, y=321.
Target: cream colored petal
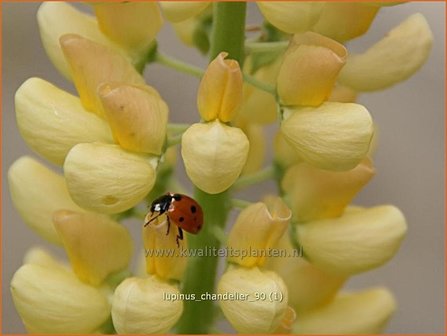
x=342, y=94
x=252, y=314
x=391, y=60
x=316, y=194
x=51, y=301
x=308, y=286
x=214, y=155
x=130, y=24
x=163, y=255
x=257, y=230
x=37, y=192
x=355, y=242
x=284, y=152
x=220, y=90
x=291, y=17
x=309, y=70
x=257, y=149
x=344, y=21
x=96, y=245
x=137, y=115
x=106, y=178
x=333, y=136
x=58, y=18
x=365, y=312
x=52, y=121
x=176, y=11
x=40, y=256
x=92, y=64
x=140, y=306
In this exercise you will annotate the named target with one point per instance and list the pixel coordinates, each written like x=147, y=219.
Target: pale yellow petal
x=214, y=155
x=96, y=245
x=289, y=16
x=220, y=90
x=41, y=256
x=140, y=306
x=365, y=312
x=342, y=94
x=333, y=136
x=315, y=193
x=176, y=11
x=52, y=121
x=106, y=178
x=130, y=24
x=344, y=21
x=355, y=242
x=137, y=115
x=257, y=149
x=91, y=64
x=37, y=192
x=391, y=60
x=285, y=153
x=309, y=70
x=51, y=301
x=251, y=314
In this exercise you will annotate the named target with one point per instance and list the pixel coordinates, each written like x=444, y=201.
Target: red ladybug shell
x=186, y=213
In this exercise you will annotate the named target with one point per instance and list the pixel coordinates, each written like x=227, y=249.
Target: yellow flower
x=131, y=24
x=256, y=151
x=220, y=91
x=141, y=306
x=309, y=70
x=96, y=245
x=45, y=113
x=250, y=314
x=355, y=242
x=28, y=181
x=391, y=60
x=51, y=300
x=291, y=16
x=214, y=155
x=317, y=194
x=312, y=133
x=258, y=228
x=106, y=178
x=285, y=154
x=342, y=94
x=364, y=312
x=177, y=11
x=137, y=116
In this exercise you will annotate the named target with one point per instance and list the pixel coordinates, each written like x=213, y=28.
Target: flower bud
x=309, y=70
x=285, y=154
x=40, y=256
x=161, y=250
x=130, y=24
x=317, y=194
x=391, y=60
x=220, y=91
x=257, y=229
x=28, y=181
x=291, y=17
x=343, y=21
x=253, y=315
x=256, y=151
x=106, y=178
x=137, y=115
x=52, y=121
x=96, y=245
x=143, y=306
x=214, y=155
x=176, y=11
x=91, y=64
x=355, y=242
x=308, y=286
x=53, y=301
x=312, y=133
x=365, y=312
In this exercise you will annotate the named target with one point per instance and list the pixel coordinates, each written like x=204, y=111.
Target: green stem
x=260, y=85
x=261, y=47
x=174, y=140
x=260, y=176
x=178, y=65
x=177, y=128
x=239, y=203
x=227, y=35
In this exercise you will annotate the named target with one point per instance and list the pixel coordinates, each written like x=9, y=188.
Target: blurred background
x=409, y=160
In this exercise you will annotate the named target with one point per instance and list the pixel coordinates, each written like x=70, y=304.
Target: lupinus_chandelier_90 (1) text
x=117, y=147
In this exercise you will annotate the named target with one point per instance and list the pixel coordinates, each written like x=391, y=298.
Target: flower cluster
x=115, y=146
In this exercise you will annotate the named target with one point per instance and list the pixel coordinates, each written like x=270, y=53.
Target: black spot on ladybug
x=181, y=219
x=193, y=209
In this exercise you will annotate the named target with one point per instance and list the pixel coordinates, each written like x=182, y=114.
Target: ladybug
x=185, y=212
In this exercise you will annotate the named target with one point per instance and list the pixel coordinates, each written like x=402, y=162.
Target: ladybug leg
x=169, y=224
x=179, y=236
x=152, y=219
